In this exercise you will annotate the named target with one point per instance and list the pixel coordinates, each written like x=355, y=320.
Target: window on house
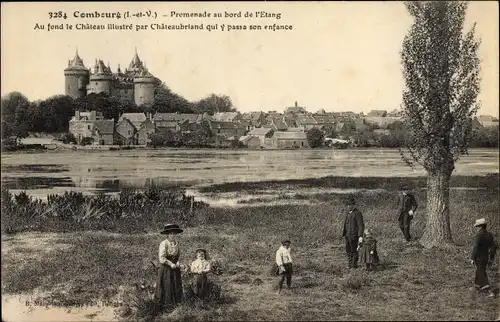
x=129, y=132
x=89, y=126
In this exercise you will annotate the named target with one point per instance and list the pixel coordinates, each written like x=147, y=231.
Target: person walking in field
x=169, y=284
x=354, y=227
x=482, y=256
x=201, y=267
x=408, y=208
x=284, y=265
x=368, y=251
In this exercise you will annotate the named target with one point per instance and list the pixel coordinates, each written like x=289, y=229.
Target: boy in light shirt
x=284, y=262
x=200, y=267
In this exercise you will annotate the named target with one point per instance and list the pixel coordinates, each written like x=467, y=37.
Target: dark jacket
x=485, y=247
x=368, y=251
x=354, y=225
x=408, y=203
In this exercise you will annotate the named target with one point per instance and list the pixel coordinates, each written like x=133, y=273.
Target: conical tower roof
x=136, y=63
x=76, y=63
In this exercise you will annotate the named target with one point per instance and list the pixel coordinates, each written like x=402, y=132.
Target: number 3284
x=57, y=15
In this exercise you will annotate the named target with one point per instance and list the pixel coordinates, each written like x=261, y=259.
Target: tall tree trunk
x=437, y=230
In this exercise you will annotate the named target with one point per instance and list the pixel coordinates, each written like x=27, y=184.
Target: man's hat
x=480, y=222
x=171, y=228
x=286, y=242
x=350, y=200
x=405, y=187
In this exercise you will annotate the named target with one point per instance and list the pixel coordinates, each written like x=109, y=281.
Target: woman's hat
x=286, y=242
x=171, y=228
x=480, y=222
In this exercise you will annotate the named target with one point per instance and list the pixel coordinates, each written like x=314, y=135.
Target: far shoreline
x=108, y=149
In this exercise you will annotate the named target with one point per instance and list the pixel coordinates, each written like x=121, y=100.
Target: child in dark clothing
x=368, y=251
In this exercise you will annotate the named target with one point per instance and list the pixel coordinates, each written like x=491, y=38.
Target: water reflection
x=114, y=170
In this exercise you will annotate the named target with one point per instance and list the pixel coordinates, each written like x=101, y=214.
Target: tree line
x=20, y=116
x=397, y=135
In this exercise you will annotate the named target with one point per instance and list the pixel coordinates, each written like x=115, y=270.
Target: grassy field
x=82, y=267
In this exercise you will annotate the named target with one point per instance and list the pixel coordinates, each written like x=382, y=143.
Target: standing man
x=408, y=207
x=483, y=254
x=354, y=227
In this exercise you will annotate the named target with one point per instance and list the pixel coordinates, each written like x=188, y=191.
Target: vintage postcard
x=249, y=161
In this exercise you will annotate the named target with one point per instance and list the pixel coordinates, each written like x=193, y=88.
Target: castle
x=136, y=83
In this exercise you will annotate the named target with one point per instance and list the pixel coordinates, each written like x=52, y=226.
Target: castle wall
x=123, y=92
x=76, y=83
x=100, y=85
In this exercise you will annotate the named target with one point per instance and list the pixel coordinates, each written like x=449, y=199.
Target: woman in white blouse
x=200, y=267
x=169, y=283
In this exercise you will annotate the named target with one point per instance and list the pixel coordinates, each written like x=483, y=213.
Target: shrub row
x=129, y=210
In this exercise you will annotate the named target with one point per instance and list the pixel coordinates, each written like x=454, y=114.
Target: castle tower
x=76, y=78
x=101, y=79
x=144, y=88
x=144, y=82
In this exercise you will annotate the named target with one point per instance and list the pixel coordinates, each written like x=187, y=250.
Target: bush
x=86, y=141
x=130, y=211
x=315, y=137
x=67, y=138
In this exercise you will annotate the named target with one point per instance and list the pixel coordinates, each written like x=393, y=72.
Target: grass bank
x=386, y=183
x=411, y=284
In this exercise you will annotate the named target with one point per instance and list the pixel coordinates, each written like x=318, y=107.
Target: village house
x=379, y=113
x=487, y=120
x=289, y=140
x=251, y=141
x=176, y=122
x=306, y=121
x=276, y=124
x=381, y=122
x=324, y=119
x=227, y=129
x=296, y=109
x=290, y=120
x=125, y=132
x=135, y=118
x=145, y=131
x=395, y=113
x=92, y=125
x=262, y=133
x=253, y=119
x=226, y=116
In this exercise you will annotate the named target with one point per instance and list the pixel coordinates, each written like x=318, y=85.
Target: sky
x=339, y=56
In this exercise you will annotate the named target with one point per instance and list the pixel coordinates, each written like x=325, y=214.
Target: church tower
x=76, y=78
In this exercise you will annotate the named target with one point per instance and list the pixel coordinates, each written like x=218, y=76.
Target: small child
x=368, y=250
x=200, y=267
x=284, y=263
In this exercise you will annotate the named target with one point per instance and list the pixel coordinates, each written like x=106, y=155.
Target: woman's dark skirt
x=168, y=286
